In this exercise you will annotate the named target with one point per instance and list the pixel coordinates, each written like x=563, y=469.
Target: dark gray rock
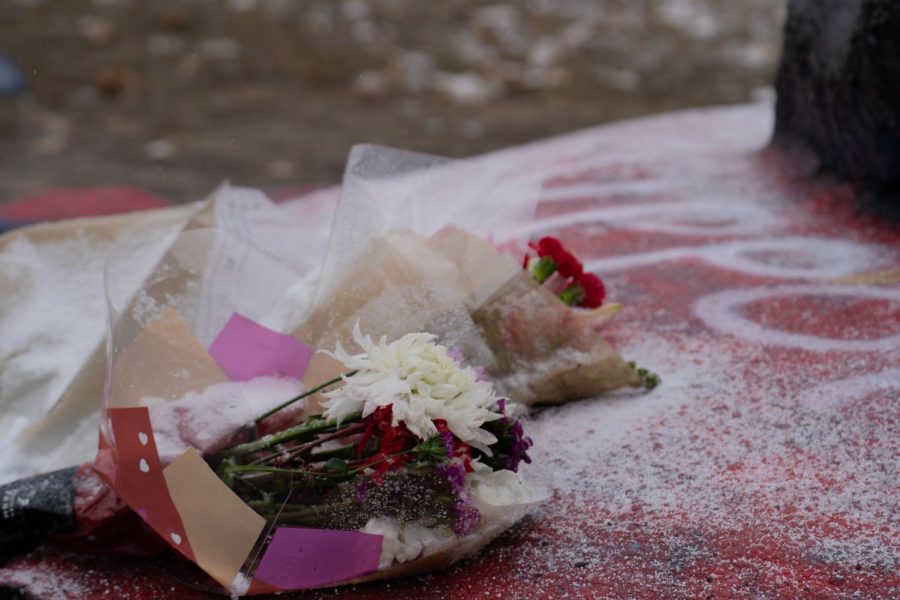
x=839, y=93
x=12, y=80
x=33, y=507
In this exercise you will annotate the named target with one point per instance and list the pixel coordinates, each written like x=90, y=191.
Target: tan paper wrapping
x=321, y=368
x=481, y=270
x=545, y=351
x=222, y=530
x=401, y=286
x=457, y=286
x=147, y=366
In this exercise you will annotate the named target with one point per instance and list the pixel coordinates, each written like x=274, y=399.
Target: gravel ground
x=175, y=96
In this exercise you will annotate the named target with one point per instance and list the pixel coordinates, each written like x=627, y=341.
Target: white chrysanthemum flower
x=421, y=381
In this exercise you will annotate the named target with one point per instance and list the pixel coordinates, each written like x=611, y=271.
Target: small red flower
x=594, y=290
x=567, y=265
x=583, y=289
x=394, y=440
x=550, y=246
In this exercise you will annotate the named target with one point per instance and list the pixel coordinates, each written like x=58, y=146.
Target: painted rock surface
x=766, y=465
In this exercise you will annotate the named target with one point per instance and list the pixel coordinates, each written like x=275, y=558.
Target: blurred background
x=176, y=95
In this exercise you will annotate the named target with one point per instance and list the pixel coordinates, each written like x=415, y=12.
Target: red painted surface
x=66, y=203
x=766, y=464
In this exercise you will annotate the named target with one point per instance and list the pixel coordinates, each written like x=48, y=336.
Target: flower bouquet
x=253, y=426
x=253, y=461
x=411, y=447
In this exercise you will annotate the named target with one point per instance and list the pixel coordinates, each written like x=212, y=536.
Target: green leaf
x=336, y=466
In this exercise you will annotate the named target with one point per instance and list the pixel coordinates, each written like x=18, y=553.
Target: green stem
x=307, y=429
x=309, y=392
x=348, y=451
x=649, y=379
x=284, y=457
x=340, y=433
x=572, y=295
x=543, y=269
x=267, y=469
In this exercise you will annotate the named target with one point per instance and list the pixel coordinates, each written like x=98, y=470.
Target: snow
x=42, y=583
x=53, y=320
x=207, y=419
x=760, y=467
x=54, y=331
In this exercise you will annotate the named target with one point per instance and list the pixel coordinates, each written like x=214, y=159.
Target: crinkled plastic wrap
x=439, y=250
x=53, y=323
x=204, y=347
x=178, y=384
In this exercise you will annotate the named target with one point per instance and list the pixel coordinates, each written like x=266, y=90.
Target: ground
x=176, y=96
x=764, y=464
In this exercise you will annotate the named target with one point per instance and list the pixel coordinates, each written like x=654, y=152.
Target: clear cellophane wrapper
x=228, y=325
x=443, y=255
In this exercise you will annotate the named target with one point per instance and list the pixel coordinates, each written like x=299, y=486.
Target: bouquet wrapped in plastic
x=290, y=415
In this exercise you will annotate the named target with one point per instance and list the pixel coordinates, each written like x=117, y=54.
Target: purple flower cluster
x=362, y=488
x=520, y=444
x=447, y=439
x=467, y=516
x=517, y=441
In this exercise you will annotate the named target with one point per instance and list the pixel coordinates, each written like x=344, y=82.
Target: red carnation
x=594, y=290
x=394, y=440
x=550, y=246
x=567, y=265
